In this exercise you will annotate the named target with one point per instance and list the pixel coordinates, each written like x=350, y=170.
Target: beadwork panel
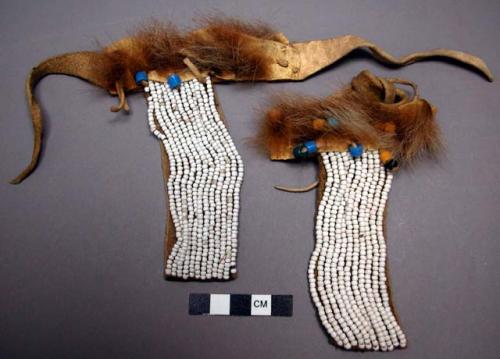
x=203, y=188
x=347, y=270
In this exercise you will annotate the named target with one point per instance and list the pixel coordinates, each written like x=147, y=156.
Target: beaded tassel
x=206, y=173
x=347, y=277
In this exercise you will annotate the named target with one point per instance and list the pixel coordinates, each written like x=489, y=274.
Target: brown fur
x=419, y=133
x=362, y=115
x=160, y=43
x=220, y=48
x=223, y=48
x=256, y=29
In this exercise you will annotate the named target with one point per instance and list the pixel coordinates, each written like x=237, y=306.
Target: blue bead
x=305, y=150
x=311, y=146
x=140, y=76
x=332, y=121
x=174, y=81
x=356, y=150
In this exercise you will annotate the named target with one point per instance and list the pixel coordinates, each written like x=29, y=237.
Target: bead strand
x=378, y=264
x=372, y=253
x=359, y=228
x=378, y=334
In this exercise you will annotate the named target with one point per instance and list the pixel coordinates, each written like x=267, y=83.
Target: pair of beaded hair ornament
x=359, y=135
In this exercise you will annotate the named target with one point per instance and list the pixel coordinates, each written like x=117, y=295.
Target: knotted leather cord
x=304, y=58
x=123, y=104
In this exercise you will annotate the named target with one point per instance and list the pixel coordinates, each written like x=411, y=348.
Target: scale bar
x=275, y=305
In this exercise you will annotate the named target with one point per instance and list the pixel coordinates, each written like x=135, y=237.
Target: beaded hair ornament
x=202, y=169
x=359, y=135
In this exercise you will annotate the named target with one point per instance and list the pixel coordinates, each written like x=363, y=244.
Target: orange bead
x=385, y=156
x=390, y=127
x=319, y=124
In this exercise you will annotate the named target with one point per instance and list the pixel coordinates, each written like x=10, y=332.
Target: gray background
x=82, y=239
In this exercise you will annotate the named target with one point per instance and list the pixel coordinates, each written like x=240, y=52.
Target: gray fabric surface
x=82, y=239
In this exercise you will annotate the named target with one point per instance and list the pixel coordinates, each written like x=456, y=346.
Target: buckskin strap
x=86, y=65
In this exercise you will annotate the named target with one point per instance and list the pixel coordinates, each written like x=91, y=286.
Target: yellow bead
x=319, y=124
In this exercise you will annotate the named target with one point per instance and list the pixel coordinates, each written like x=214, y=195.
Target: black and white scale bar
x=241, y=304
